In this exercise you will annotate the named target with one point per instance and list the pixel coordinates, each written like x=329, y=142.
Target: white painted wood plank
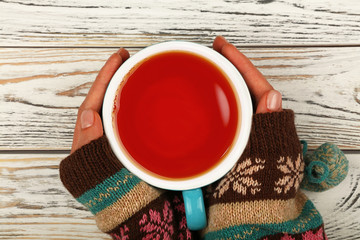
x=340, y=206
x=140, y=23
x=35, y=205
x=41, y=89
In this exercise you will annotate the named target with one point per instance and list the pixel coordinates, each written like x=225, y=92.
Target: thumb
x=271, y=101
x=91, y=127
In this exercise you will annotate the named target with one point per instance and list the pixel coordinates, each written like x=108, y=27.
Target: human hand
x=95, y=177
x=260, y=197
x=88, y=125
x=266, y=98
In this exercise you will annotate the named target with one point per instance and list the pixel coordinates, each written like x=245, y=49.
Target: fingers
x=218, y=43
x=97, y=91
x=255, y=81
x=88, y=125
x=259, y=87
x=271, y=101
x=90, y=129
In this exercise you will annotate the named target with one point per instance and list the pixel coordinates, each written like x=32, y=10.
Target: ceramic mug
x=191, y=187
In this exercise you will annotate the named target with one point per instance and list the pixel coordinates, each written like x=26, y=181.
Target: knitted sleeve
x=260, y=197
x=124, y=206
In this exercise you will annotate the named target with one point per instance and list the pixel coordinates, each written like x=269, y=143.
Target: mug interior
x=244, y=110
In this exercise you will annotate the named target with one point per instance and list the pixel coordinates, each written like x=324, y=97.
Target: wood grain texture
x=41, y=89
x=139, y=23
x=340, y=205
x=35, y=205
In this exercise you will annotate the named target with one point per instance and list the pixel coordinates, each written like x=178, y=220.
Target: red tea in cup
x=176, y=115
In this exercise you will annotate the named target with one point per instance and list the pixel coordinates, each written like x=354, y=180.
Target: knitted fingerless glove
x=260, y=198
x=124, y=206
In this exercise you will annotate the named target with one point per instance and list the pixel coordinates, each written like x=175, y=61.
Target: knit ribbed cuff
x=274, y=142
x=89, y=166
x=273, y=135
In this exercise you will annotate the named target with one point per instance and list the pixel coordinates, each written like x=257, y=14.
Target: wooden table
x=51, y=51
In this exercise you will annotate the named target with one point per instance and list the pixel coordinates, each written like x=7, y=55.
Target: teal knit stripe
x=109, y=191
x=307, y=220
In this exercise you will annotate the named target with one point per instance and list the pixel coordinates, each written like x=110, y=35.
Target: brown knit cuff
x=88, y=166
x=123, y=205
x=273, y=135
x=271, y=166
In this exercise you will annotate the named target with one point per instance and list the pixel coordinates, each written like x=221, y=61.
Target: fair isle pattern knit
x=240, y=178
x=292, y=174
x=315, y=234
x=124, y=206
x=260, y=198
x=109, y=191
x=308, y=220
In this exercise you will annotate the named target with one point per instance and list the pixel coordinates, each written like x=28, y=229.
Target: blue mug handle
x=194, y=209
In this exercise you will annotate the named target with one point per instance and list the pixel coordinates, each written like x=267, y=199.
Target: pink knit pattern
x=287, y=237
x=123, y=234
x=185, y=233
x=308, y=235
x=156, y=225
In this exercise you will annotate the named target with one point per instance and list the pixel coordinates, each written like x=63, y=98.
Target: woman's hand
x=88, y=124
x=266, y=98
x=120, y=201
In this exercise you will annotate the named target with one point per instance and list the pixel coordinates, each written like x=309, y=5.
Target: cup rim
x=241, y=93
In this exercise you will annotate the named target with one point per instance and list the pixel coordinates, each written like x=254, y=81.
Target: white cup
x=194, y=204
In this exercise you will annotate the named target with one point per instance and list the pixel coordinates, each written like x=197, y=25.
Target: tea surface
x=176, y=114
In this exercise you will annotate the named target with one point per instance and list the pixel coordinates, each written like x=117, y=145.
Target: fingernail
x=123, y=53
x=274, y=100
x=223, y=38
x=87, y=119
x=120, y=51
